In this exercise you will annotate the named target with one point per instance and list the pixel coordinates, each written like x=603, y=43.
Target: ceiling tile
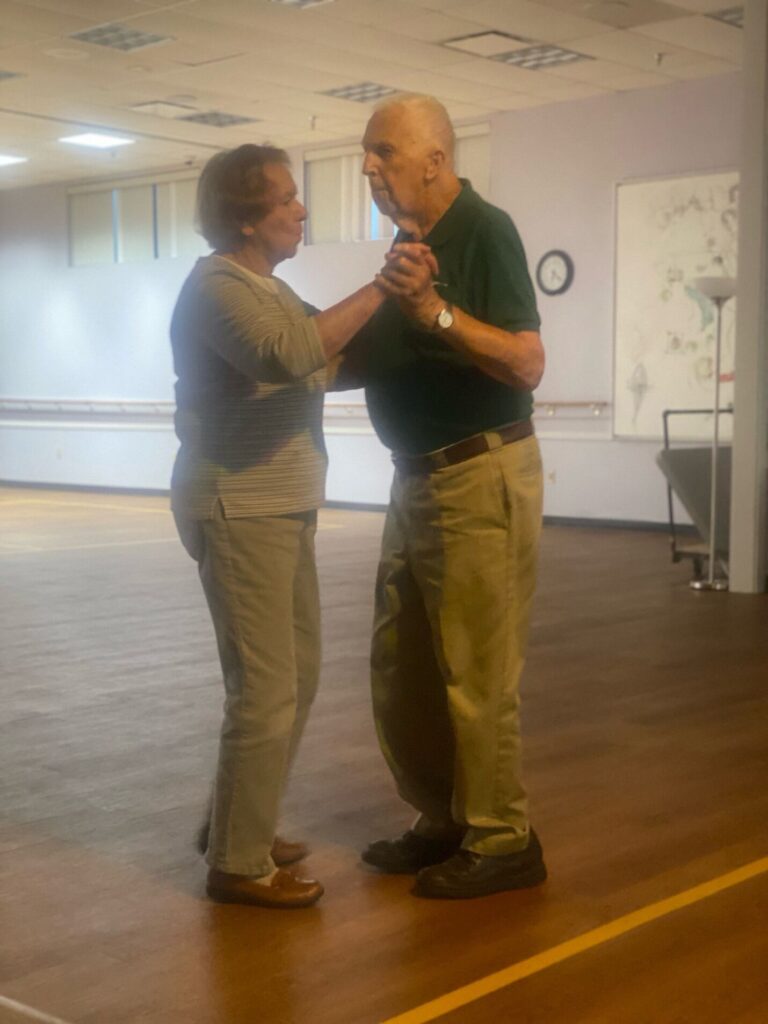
x=446, y=88
x=495, y=74
x=705, y=35
x=616, y=13
x=596, y=72
x=403, y=18
x=318, y=26
x=458, y=111
x=703, y=6
x=635, y=50
x=97, y=12
x=533, y=20
x=269, y=78
x=570, y=90
x=20, y=24
x=518, y=101
x=703, y=69
x=488, y=43
x=635, y=80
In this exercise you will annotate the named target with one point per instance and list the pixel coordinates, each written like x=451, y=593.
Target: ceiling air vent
x=120, y=37
x=362, y=92
x=218, y=119
x=533, y=58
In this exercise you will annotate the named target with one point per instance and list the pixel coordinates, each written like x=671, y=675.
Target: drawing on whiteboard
x=638, y=385
x=668, y=233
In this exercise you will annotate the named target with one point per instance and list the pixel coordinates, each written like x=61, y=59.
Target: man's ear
x=434, y=165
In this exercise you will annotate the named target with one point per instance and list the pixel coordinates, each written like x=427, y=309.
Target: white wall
x=80, y=333
x=101, y=332
x=556, y=170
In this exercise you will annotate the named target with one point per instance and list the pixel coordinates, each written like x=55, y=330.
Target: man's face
x=395, y=164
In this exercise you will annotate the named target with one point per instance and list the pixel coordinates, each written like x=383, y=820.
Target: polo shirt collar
x=458, y=214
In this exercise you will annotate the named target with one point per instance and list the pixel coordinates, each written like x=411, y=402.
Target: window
x=91, y=229
x=175, y=220
x=337, y=197
x=133, y=222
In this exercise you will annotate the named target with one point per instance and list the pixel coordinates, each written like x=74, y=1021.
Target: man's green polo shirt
x=422, y=394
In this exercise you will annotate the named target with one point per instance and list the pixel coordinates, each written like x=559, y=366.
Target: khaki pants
x=260, y=581
x=453, y=600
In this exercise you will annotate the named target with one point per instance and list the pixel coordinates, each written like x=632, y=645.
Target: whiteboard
x=669, y=232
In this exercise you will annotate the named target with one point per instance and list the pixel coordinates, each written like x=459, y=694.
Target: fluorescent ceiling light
x=97, y=140
x=5, y=161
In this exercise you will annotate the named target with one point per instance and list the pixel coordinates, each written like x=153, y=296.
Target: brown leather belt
x=470, y=447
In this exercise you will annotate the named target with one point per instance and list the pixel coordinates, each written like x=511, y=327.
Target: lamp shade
x=715, y=288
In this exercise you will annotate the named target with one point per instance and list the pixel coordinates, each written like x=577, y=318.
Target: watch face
x=554, y=272
x=445, y=318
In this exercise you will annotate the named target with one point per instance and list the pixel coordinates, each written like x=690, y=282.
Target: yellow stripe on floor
x=605, y=933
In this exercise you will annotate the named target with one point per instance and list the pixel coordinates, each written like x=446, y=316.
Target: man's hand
x=408, y=276
x=515, y=358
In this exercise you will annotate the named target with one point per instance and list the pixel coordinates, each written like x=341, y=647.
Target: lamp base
x=719, y=584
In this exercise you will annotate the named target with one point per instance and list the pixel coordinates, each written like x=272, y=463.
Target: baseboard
x=356, y=506
x=362, y=506
x=618, y=524
x=89, y=488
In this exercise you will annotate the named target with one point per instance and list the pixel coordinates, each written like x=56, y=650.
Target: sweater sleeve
x=254, y=333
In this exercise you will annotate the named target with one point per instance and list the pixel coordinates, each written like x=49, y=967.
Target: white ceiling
x=260, y=59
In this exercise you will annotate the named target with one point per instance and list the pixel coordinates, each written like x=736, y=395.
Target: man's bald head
x=409, y=145
x=421, y=121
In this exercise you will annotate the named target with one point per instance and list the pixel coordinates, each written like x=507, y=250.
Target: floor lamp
x=718, y=290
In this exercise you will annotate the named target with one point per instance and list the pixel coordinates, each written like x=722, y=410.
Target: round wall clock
x=554, y=272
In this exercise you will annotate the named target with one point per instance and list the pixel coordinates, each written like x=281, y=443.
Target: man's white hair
x=434, y=122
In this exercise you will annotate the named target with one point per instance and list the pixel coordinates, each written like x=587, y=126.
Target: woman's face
x=277, y=235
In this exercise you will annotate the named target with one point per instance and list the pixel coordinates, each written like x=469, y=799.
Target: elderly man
x=450, y=362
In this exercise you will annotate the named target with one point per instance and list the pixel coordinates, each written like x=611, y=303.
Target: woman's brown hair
x=232, y=191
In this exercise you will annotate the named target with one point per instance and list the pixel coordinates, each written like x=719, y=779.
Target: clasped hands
x=408, y=276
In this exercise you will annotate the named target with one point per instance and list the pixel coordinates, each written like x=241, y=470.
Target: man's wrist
x=442, y=317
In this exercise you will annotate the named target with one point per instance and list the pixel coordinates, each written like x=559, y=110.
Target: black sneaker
x=468, y=874
x=409, y=853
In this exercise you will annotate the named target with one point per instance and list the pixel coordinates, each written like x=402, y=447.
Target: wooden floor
x=646, y=721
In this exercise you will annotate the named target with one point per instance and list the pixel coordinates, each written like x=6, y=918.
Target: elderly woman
x=251, y=362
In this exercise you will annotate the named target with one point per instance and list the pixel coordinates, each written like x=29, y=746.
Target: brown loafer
x=283, y=851
x=283, y=892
